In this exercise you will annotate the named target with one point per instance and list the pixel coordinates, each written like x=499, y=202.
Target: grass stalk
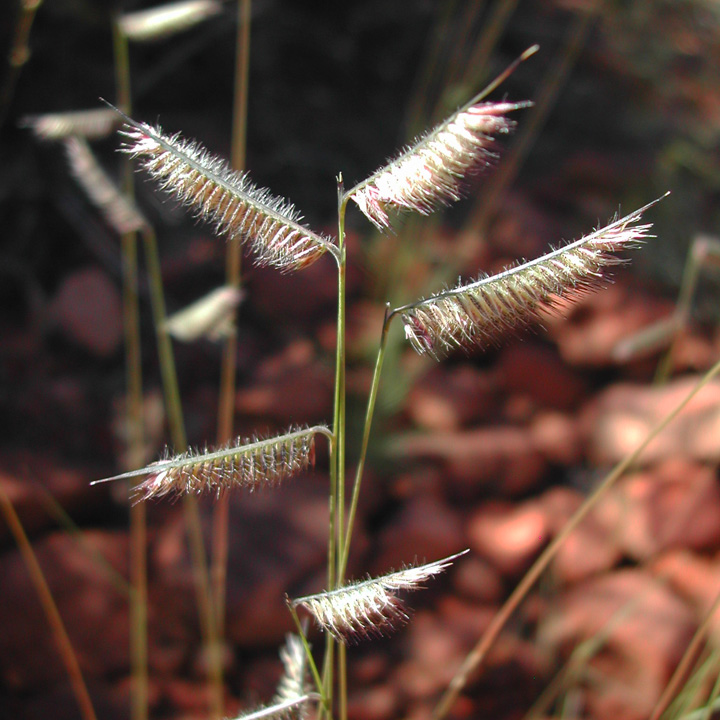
x=233, y=258
x=134, y=395
x=477, y=655
x=62, y=641
x=372, y=399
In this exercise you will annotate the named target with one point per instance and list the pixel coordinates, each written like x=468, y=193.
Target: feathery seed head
x=369, y=607
x=91, y=124
x=161, y=22
x=244, y=464
x=430, y=172
x=294, y=681
x=211, y=316
x=118, y=210
x=237, y=208
x=479, y=312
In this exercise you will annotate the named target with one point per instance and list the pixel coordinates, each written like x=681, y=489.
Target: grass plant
x=474, y=314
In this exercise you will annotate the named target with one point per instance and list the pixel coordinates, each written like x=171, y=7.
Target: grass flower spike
x=293, y=685
x=243, y=464
x=209, y=317
x=430, y=173
x=481, y=311
x=272, y=226
x=92, y=124
x=369, y=607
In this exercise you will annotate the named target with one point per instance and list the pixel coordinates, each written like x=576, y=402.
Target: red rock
x=39, y=485
x=591, y=548
x=88, y=309
x=447, y=399
x=277, y=545
x=373, y=703
x=695, y=579
x=502, y=456
x=508, y=536
x=645, y=630
x=292, y=387
x=622, y=416
x=676, y=505
x=476, y=579
x=536, y=371
x=588, y=331
x=94, y=611
x=426, y=529
x=557, y=436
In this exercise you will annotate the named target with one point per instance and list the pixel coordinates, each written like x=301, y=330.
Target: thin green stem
x=477, y=655
x=176, y=425
x=369, y=413
x=311, y=661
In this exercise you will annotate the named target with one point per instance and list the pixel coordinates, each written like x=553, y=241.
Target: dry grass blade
x=479, y=312
x=430, y=172
x=369, y=607
x=166, y=20
x=227, y=198
x=118, y=210
x=91, y=124
x=244, y=464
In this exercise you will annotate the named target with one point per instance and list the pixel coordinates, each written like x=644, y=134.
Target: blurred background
x=493, y=451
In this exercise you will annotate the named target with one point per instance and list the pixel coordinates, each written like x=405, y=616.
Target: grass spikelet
x=479, y=312
x=294, y=681
x=243, y=464
x=91, y=124
x=278, y=710
x=119, y=212
x=430, y=172
x=166, y=20
x=227, y=198
x=369, y=607
x=209, y=317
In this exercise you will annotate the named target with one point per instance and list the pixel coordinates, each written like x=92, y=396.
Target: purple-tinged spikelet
x=478, y=313
x=430, y=172
x=369, y=607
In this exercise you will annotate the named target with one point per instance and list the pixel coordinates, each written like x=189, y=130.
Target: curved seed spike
x=478, y=312
x=430, y=172
x=227, y=198
x=369, y=607
x=243, y=464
